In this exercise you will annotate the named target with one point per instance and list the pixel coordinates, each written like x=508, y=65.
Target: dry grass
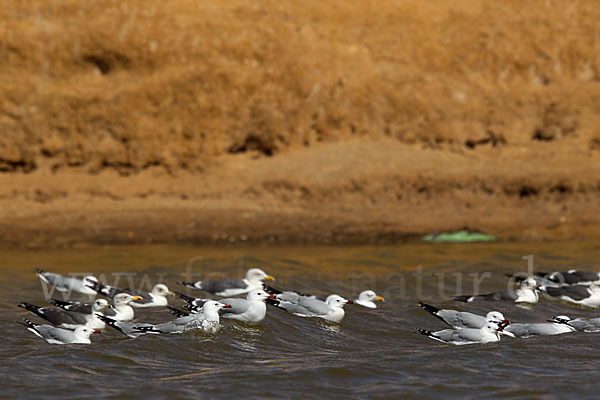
x=131, y=84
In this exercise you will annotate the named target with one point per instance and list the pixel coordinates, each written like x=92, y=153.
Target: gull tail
x=466, y=299
x=65, y=305
x=189, y=284
x=177, y=312
x=41, y=273
x=430, y=309
x=110, y=322
x=516, y=277
x=184, y=297
x=30, y=327
x=192, y=308
x=146, y=329
x=27, y=323
x=274, y=303
x=425, y=332
x=271, y=290
x=31, y=307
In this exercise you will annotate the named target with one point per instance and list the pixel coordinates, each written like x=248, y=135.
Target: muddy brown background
x=314, y=121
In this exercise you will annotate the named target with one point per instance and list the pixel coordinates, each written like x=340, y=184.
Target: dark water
x=372, y=353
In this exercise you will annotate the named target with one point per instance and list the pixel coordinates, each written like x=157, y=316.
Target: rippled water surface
x=372, y=353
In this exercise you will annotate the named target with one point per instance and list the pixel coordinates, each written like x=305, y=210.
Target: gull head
x=161, y=290
x=99, y=304
x=337, y=301
x=529, y=283
x=124, y=298
x=259, y=295
x=560, y=319
x=85, y=332
x=258, y=275
x=214, y=306
x=369, y=295
x=90, y=281
x=495, y=316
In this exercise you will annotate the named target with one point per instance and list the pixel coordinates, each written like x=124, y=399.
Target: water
x=372, y=353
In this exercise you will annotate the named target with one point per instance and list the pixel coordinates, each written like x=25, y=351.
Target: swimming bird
x=156, y=298
x=67, y=319
x=252, y=309
x=332, y=309
x=52, y=335
x=490, y=332
x=207, y=320
x=68, y=283
x=461, y=319
x=368, y=298
x=121, y=310
x=231, y=286
x=555, y=326
x=527, y=293
x=571, y=277
x=579, y=294
x=91, y=310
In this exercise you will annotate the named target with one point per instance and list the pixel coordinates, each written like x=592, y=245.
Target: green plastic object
x=459, y=237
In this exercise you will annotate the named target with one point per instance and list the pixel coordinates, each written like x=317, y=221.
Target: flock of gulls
x=74, y=322
x=574, y=287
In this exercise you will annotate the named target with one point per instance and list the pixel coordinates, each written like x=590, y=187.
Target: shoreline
x=355, y=192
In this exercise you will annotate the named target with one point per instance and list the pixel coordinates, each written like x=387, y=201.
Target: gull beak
x=136, y=298
x=349, y=302
x=226, y=306
x=170, y=293
x=270, y=296
x=96, y=331
x=269, y=278
x=506, y=322
x=379, y=298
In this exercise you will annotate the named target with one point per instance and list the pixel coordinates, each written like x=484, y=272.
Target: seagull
x=231, y=286
x=459, y=319
x=579, y=294
x=555, y=326
x=580, y=324
x=571, y=277
x=67, y=319
x=89, y=309
x=121, y=310
x=156, y=298
x=67, y=283
x=207, y=320
x=332, y=309
x=368, y=299
x=52, y=335
x=252, y=309
x=527, y=293
x=539, y=281
x=490, y=332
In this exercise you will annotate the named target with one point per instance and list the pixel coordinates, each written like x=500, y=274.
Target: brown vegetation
x=498, y=103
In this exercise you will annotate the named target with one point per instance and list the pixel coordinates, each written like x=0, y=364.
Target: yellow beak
x=379, y=298
x=170, y=293
x=136, y=298
x=269, y=278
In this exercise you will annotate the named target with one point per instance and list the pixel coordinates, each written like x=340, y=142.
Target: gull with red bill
x=461, y=319
x=490, y=332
